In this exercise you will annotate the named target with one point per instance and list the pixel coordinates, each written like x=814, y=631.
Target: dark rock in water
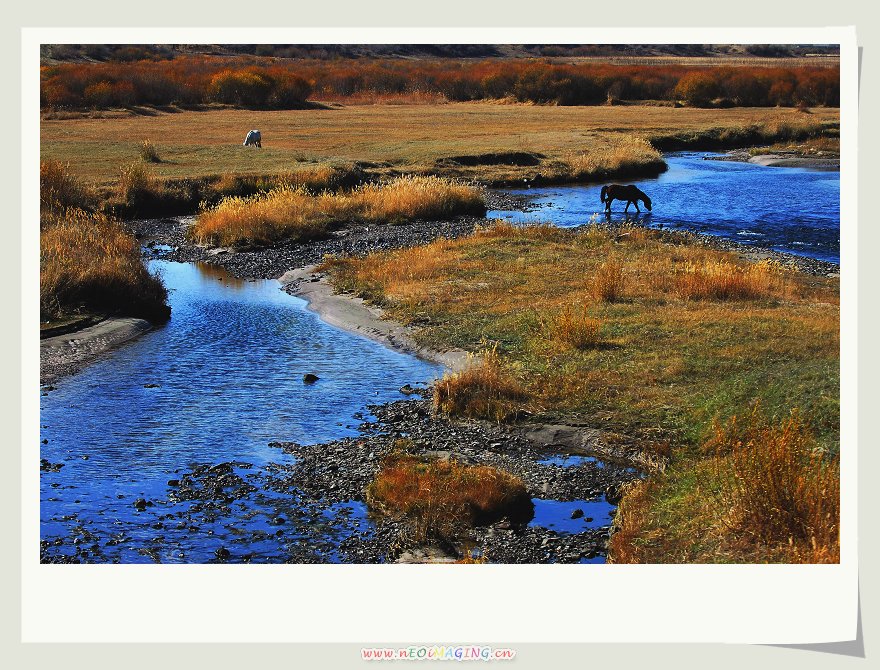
x=278, y=520
x=406, y=389
x=46, y=466
x=222, y=553
x=140, y=504
x=173, y=482
x=577, y=513
x=151, y=386
x=309, y=378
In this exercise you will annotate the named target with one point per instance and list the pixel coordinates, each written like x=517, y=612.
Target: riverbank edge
x=771, y=159
x=353, y=314
x=68, y=353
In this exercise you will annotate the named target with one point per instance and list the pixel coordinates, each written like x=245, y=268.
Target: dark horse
x=630, y=193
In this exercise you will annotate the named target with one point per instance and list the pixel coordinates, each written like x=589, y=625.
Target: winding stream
x=224, y=378
x=228, y=373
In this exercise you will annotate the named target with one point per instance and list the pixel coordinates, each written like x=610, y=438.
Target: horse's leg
x=626, y=209
x=608, y=205
x=636, y=203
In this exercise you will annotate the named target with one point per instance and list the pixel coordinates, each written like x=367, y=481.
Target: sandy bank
x=354, y=315
x=65, y=354
x=779, y=160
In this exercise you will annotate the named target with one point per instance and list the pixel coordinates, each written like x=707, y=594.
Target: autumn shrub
x=782, y=492
x=252, y=82
x=440, y=498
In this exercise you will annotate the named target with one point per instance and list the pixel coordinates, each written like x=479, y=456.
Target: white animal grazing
x=253, y=138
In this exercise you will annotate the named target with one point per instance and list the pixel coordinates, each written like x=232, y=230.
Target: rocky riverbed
x=312, y=509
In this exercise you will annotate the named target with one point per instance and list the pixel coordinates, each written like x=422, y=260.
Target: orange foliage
x=254, y=82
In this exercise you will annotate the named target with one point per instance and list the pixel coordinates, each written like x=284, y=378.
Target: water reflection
x=213, y=272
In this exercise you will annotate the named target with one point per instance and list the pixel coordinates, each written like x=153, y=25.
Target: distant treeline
x=285, y=84
x=132, y=52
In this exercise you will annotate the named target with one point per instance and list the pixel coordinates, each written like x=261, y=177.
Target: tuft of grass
x=486, y=389
x=88, y=262
x=293, y=212
x=608, y=282
x=442, y=498
x=149, y=153
x=59, y=189
x=572, y=326
x=723, y=280
x=136, y=183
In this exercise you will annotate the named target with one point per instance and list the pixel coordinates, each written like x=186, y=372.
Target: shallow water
x=787, y=209
x=556, y=514
x=229, y=367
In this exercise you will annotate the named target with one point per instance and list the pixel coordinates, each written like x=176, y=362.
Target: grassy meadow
x=653, y=338
x=567, y=143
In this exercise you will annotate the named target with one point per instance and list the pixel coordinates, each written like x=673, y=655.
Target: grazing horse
x=630, y=193
x=253, y=139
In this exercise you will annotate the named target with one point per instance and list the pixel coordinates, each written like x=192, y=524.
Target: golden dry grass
x=571, y=326
x=621, y=155
x=440, y=498
x=60, y=189
x=762, y=493
x=295, y=213
x=723, y=280
x=608, y=282
x=88, y=262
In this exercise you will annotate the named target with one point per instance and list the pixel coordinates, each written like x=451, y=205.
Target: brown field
x=395, y=138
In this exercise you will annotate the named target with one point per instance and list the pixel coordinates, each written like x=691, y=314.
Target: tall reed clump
x=722, y=280
x=88, y=262
x=441, y=498
x=285, y=213
x=782, y=493
x=295, y=213
x=485, y=389
x=59, y=189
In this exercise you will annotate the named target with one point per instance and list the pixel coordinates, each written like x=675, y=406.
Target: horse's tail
x=603, y=193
